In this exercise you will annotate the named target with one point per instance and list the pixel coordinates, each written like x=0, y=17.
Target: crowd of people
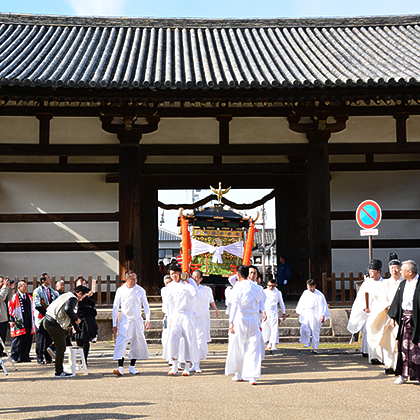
x=384, y=311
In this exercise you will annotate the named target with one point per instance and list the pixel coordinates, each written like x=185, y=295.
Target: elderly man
x=130, y=297
x=6, y=293
x=180, y=303
x=405, y=310
x=60, y=287
x=43, y=296
x=60, y=316
x=245, y=352
x=22, y=324
x=203, y=299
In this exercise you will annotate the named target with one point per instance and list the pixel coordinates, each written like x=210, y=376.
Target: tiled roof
x=270, y=236
x=208, y=54
x=166, y=235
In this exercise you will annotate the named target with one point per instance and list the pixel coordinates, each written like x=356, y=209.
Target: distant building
x=169, y=245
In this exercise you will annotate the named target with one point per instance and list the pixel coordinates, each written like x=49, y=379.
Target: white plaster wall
x=413, y=128
x=396, y=190
x=19, y=130
x=263, y=130
x=366, y=130
x=184, y=131
x=56, y=193
x=77, y=130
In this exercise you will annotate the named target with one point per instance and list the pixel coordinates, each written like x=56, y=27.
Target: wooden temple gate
x=316, y=110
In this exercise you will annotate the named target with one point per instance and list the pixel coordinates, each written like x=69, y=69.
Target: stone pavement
x=295, y=384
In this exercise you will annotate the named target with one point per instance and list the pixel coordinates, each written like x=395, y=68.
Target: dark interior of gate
x=99, y=114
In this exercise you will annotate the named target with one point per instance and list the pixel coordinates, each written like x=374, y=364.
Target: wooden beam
x=261, y=149
x=377, y=243
x=376, y=166
x=401, y=126
x=386, y=214
x=57, y=246
x=58, y=217
x=56, y=167
x=44, y=127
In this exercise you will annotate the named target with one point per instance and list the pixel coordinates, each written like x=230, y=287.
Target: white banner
x=199, y=247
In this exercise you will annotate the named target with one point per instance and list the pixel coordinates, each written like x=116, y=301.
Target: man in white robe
x=165, y=330
x=203, y=300
x=381, y=329
x=313, y=310
x=130, y=298
x=360, y=313
x=270, y=328
x=182, y=333
x=244, y=350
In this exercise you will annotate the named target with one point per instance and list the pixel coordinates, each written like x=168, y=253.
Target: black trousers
x=59, y=337
x=43, y=341
x=21, y=346
x=3, y=332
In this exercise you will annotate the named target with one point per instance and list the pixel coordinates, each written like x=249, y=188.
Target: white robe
x=380, y=331
x=358, y=318
x=311, y=307
x=182, y=337
x=244, y=350
x=165, y=329
x=203, y=299
x=270, y=328
x=131, y=325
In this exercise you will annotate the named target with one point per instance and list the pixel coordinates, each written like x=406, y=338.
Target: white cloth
x=165, y=329
x=380, y=332
x=270, y=328
x=409, y=288
x=244, y=350
x=358, y=317
x=131, y=325
x=180, y=302
x=311, y=307
x=202, y=302
x=199, y=247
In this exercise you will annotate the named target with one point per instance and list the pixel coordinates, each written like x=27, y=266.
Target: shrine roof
x=203, y=54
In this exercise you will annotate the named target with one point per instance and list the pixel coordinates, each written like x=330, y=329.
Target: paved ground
x=295, y=384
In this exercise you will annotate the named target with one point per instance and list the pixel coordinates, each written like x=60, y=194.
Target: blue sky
x=213, y=8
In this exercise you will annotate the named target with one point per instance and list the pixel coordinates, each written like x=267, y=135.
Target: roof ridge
x=63, y=20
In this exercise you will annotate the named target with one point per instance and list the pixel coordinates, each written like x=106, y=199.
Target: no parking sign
x=368, y=216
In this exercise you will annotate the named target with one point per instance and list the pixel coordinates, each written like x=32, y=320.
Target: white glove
x=285, y=282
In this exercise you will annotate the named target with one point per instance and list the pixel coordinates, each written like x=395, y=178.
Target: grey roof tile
x=78, y=52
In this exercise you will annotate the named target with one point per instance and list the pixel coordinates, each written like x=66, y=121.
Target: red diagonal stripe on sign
x=373, y=220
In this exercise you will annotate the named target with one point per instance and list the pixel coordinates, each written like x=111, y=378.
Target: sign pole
x=370, y=249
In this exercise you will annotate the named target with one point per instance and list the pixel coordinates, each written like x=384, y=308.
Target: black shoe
x=389, y=371
x=40, y=362
x=63, y=375
x=365, y=354
x=375, y=362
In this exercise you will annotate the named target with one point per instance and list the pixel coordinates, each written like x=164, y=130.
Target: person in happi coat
x=244, y=349
x=182, y=338
x=270, y=328
x=22, y=323
x=405, y=311
x=130, y=298
x=43, y=296
x=313, y=310
x=366, y=302
x=382, y=331
x=203, y=300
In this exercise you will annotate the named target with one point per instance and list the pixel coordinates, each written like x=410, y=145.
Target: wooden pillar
x=150, y=238
x=131, y=200
x=319, y=207
x=130, y=195
x=318, y=132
